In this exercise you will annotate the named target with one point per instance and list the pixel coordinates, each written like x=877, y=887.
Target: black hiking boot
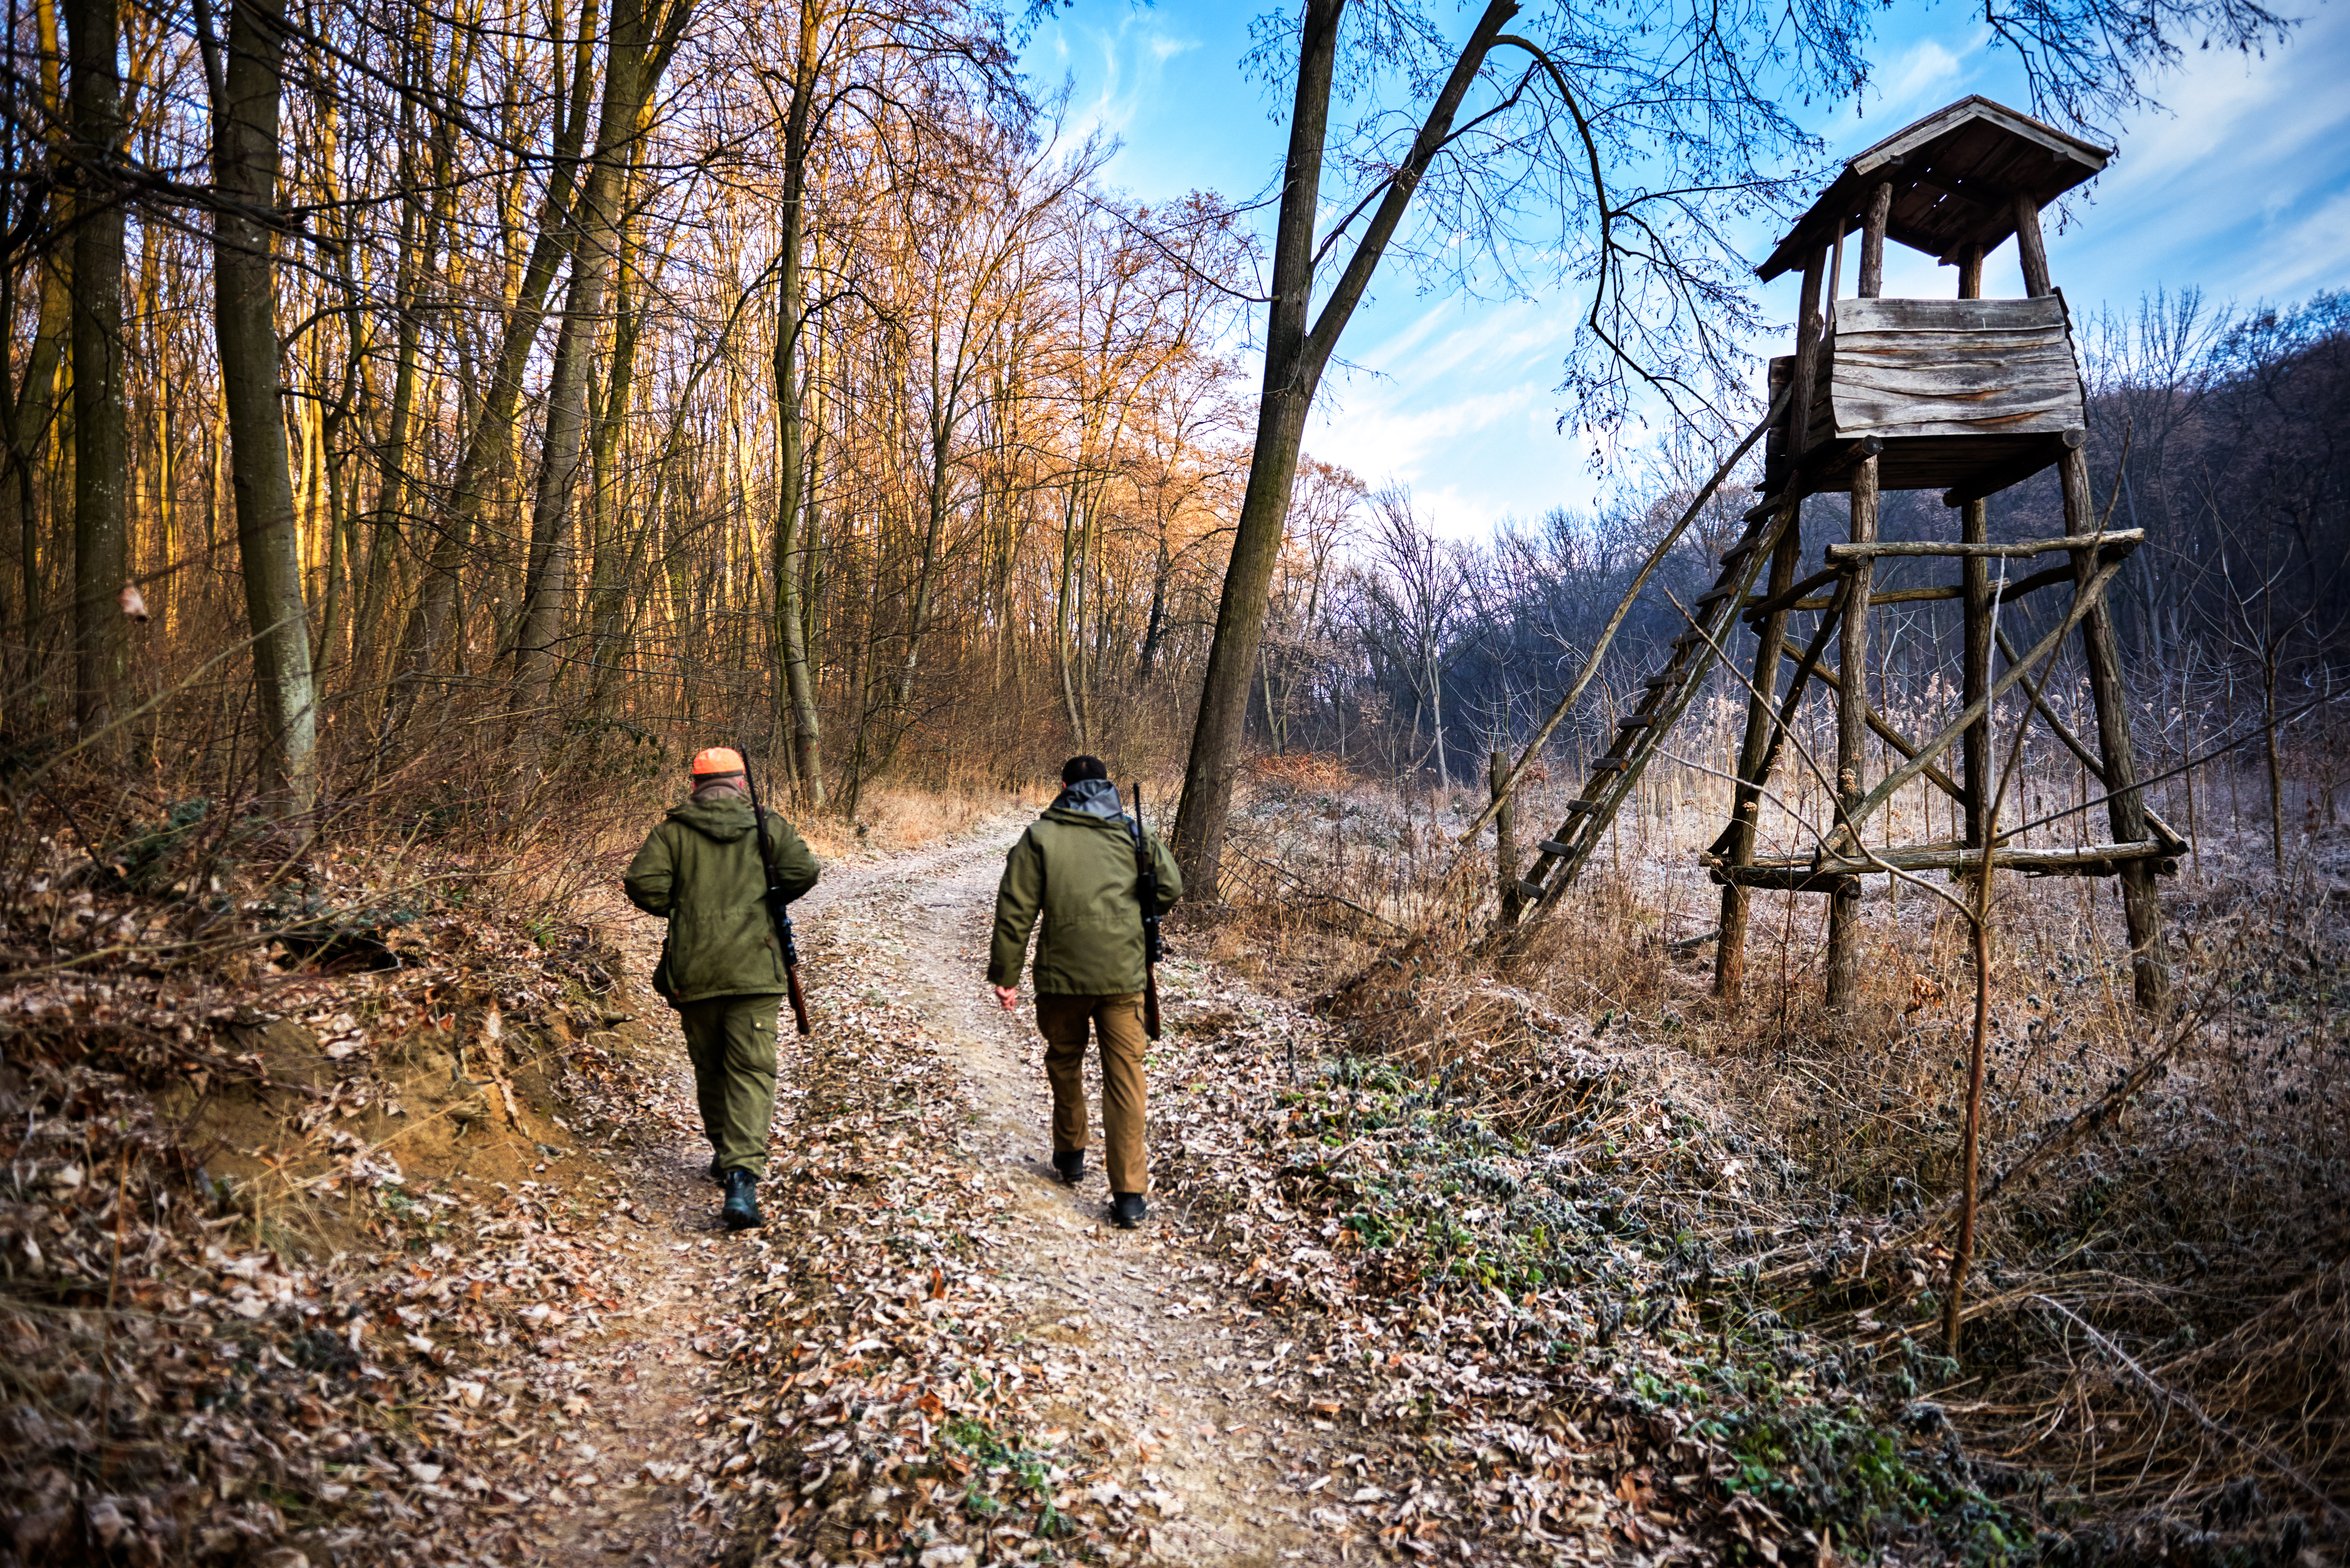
x=1070, y=1168
x=742, y=1210
x=1126, y=1209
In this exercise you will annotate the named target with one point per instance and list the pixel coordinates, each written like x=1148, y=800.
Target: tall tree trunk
x=1066, y=630
x=1295, y=357
x=425, y=216
x=481, y=471
x=101, y=527
x=794, y=476
x=1155, y=626
x=546, y=591
x=608, y=591
x=33, y=403
x=244, y=314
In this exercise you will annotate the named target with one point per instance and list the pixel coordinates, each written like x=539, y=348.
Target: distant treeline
x=2223, y=433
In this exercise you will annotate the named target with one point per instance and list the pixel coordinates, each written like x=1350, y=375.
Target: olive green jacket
x=1076, y=868
x=699, y=870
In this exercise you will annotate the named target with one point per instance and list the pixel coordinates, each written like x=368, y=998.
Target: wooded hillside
x=786, y=371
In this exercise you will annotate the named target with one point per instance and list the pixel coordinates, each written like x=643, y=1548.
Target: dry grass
x=2158, y=1330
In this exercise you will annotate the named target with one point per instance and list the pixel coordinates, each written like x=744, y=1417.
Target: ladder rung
x=1531, y=889
x=1659, y=683
x=1741, y=548
x=1578, y=807
x=1635, y=720
x=1716, y=594
x=1611, y=764
x=1555, y=849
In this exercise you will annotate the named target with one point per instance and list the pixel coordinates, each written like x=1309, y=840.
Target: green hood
x=722, y=819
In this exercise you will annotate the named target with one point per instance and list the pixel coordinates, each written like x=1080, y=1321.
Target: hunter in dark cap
x=1077, y=867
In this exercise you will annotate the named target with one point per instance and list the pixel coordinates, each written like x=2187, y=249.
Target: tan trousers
x=1118, y=1020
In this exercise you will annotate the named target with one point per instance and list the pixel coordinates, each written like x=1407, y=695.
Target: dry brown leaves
x=888, y=1407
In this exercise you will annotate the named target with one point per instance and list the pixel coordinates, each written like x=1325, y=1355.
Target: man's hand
x=1008, y=996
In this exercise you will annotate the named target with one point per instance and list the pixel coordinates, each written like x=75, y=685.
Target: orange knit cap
x=716, y=760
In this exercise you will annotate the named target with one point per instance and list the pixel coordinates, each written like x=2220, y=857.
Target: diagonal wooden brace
x=1889, y=734
x=2083, y=601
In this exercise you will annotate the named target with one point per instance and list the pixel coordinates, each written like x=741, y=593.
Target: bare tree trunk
x=35, y=401
x=422, y=224
x=794, y=477
x=1066, y=631
x=547, y=590
x=1295, y=357
x=489, y=441
x=33, y=407
x=245, y=170
x=608, y=589
x=2269, y=664
x=102, y=458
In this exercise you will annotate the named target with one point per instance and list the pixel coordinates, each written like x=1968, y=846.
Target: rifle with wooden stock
x=774, y=902
x=1146, y=877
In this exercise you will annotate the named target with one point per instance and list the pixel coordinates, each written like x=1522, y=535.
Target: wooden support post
x=1755, y=750
x=1974, y=583
x=1852, y=740
x=1505, y=844
x=2125, y=811
x=1871, y=282
x=1852, y=654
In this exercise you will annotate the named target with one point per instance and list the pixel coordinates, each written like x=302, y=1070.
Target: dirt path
x=637, y=1423
x=637, y=1418
x=1164, y=1371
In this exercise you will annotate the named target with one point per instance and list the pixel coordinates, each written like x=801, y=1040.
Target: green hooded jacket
x=1075, y=865
x=699, y=870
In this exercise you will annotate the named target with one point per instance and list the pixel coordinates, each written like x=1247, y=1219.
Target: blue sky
x=2239, y=186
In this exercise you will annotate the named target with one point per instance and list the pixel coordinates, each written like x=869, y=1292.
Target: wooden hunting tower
x=1966, y=396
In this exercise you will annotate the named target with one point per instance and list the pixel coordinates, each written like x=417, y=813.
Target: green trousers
x=732, y=1041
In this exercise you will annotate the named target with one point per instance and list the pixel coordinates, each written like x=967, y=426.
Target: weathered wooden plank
x=1965, y=857
x=1824, y=465
x=2044, y=314
x=2016, y=590
x=1756, y=611
x=1947, y=366
x=2123, y=539
x=1989, y=479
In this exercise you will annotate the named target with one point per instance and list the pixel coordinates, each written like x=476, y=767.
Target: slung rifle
x=774, y=900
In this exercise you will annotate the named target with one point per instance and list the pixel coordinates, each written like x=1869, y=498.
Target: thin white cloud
x=2307, y=255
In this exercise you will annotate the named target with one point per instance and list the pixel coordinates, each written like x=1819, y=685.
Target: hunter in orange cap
x=721, y=965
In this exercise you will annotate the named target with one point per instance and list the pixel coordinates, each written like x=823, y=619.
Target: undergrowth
x=2155, y=1361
